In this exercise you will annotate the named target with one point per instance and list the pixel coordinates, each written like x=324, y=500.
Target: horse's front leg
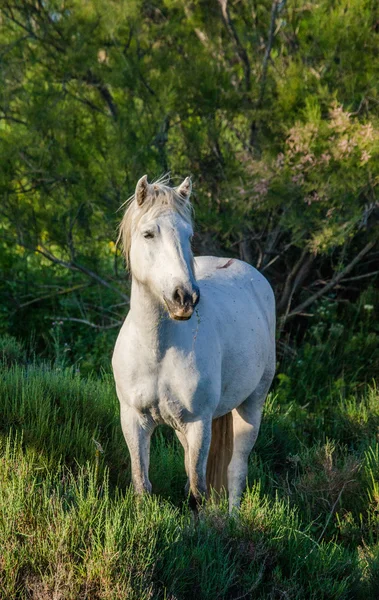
x=137, y=430
x=198, y=436
x=183, y=440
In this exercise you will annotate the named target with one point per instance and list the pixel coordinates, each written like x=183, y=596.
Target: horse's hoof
x=193, y=503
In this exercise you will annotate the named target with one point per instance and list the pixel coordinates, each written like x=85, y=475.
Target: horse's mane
x=160, y=198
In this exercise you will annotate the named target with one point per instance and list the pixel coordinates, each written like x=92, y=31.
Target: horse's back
x=235, y=279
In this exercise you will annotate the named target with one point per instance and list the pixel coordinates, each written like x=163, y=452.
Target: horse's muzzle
x=183, y=303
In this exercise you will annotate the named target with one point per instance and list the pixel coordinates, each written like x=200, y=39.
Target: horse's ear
x=142, y=189
x=185, y=188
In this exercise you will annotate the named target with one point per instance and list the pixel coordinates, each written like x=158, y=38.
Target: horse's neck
x=148, y=316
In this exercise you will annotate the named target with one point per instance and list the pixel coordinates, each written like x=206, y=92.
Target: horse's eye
x=148, y=235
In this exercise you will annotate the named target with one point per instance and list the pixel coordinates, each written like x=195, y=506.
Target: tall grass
x=70, y=536
x=70, y=526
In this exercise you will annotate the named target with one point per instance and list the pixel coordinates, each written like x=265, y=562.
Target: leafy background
x=272, y=107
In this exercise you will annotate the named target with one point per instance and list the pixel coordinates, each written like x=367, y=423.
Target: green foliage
x=11, y=350
x=280, y=135
x=337, y=356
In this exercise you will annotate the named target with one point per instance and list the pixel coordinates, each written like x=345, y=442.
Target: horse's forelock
x=160, y=198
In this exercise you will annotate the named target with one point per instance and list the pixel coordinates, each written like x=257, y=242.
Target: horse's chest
x=166, y=390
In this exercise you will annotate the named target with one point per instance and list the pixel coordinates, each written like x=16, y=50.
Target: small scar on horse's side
x=226, y=265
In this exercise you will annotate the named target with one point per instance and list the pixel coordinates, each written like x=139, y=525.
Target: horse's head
x=156, y=232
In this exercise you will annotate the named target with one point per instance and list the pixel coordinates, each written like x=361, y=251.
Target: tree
x=271, y=107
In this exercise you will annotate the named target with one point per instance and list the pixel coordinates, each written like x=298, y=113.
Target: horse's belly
x=243, y=366
x=235, y=391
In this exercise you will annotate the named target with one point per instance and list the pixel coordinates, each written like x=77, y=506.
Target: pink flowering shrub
x=328, y=171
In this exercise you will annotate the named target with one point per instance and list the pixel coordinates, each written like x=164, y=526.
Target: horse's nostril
x=179, y=296
x=184, y=298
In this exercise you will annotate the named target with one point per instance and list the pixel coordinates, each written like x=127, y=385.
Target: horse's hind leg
x=246, y=423
x=137, y=430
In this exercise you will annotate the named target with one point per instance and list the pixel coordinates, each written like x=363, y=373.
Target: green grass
x=73, y=536
x=70, y=526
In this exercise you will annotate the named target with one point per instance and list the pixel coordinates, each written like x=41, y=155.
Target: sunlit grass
x=70, y=526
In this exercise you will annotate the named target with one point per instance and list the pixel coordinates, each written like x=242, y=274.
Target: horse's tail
x=220, y=453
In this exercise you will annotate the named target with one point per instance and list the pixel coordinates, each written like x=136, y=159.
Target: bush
x=12, y=351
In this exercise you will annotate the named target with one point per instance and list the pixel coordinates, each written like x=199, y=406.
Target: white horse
x=207, y=377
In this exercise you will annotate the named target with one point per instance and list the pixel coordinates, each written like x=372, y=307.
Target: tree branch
x=91, y=79
x=372, y=274
x=299, y=272
x=85, y=322
x=74, y=266
x=53, y=294
x=276, y=7
x=13, y=119
x=241, y=52
x=85, y=101
x=332, y=283
x=201, y=35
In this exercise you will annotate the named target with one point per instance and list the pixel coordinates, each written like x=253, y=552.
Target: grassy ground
x=70, y=527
